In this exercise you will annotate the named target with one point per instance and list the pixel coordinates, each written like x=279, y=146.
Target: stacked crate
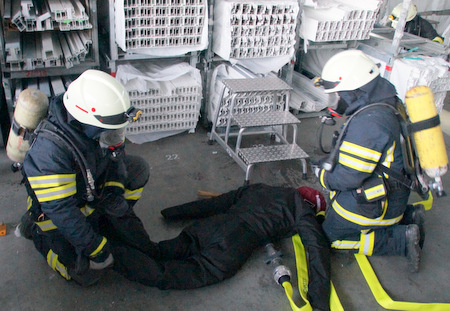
x=167, y=104
x=345, y=20
x=163, y=23
x=34, y=46
x=254, y=29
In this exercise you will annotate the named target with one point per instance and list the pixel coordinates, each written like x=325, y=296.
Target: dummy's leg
x=129, y=230
x=201, y=208
x=217, y=261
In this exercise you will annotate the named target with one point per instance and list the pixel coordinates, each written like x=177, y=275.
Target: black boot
x=412, y=234
x=418, y=218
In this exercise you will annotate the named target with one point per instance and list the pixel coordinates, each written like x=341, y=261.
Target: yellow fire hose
x=378, y=292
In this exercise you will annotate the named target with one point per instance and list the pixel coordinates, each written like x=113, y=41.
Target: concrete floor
x=180, y=166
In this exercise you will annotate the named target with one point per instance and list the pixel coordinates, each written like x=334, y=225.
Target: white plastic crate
x=145, y=25
x=169, y=96
x=254, y=29
x=345, y=20
x=161, y=113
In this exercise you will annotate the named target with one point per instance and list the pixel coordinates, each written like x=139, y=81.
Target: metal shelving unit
x=116, y=55
x=14, y=78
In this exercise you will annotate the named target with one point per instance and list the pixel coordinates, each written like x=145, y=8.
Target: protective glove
x=101, y=260
x=96, y=264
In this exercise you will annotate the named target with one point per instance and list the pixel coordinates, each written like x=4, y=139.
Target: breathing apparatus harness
x=50, y=131
x=414, y=180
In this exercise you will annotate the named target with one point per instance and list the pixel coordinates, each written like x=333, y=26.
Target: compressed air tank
x=429, y=141
x=31, y=108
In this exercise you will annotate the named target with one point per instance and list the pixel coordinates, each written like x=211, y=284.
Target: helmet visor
x=327, y=85
x=131, y=115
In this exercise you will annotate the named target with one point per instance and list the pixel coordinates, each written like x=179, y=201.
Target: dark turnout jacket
x=233, y=224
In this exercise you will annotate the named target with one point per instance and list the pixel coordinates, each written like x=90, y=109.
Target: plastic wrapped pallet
x=161, y=28
x=248, y=30
x=305, y=96
x=169, y=94
x=339, y=20
x=422, y=70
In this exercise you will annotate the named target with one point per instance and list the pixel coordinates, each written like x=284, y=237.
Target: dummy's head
x=412, y=12
x=314, y=198
x=96, y=99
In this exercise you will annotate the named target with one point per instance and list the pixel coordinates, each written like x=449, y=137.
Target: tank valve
x=438, y=187
x=280, y=272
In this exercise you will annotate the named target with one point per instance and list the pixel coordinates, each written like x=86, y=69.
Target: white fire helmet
x=98, y=99
x=347, y=71
x=412, y=12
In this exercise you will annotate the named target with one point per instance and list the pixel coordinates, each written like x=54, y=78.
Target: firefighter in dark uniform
x=415, y=24
x=369, y=212
x=80, y=194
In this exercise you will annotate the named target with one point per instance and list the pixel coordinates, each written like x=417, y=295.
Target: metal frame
x=274, y=120
x=10, y=75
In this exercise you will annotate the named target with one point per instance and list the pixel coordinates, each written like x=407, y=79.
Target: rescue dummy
x=233, y=225
x=369, y=213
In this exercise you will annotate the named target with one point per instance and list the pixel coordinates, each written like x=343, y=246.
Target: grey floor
x=180, y=166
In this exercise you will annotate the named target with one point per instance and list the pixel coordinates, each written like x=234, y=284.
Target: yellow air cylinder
x=31, y=108
x=430, y=141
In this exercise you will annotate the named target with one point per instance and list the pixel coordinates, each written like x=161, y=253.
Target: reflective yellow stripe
x=332, y=194
x=46, y=225
x=364, y=221
x=56, y=192
x=99, y=248
x=133, y=194
x=389, y=156
x=87, y=210
x=29, y=202
x=114, y=184
x=367, y=243
x=321, y=177
x=374, y=192
x=345, y=244
x=356, y=164
x=50, y=180
x=56, y=265
x=360, y=151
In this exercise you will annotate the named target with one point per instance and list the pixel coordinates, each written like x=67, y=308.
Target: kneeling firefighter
x=369, y=213
x=80, y=194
